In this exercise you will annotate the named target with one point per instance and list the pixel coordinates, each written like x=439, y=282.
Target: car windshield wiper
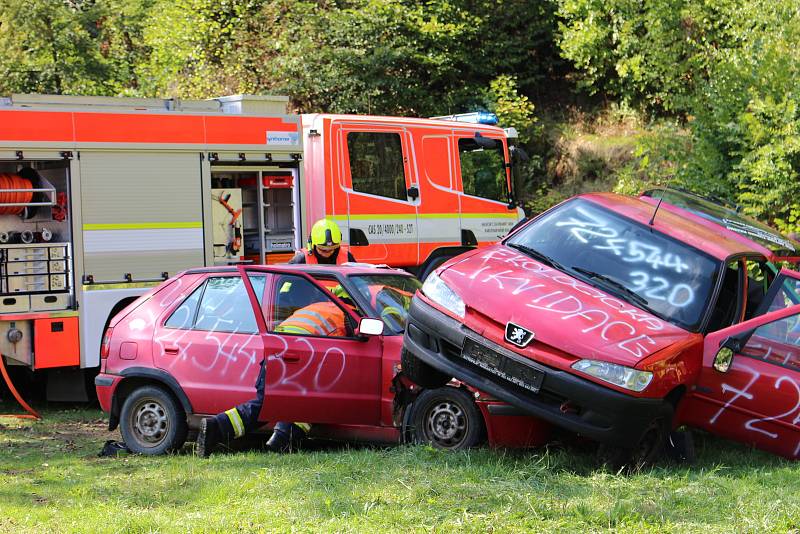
x=535, y=254
x=616, y=286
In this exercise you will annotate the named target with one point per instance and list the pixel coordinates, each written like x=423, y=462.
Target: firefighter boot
x=285, y=437
x=217, y=429
x=208, y=437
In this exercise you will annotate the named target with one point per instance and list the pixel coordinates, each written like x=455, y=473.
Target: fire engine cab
x=103, y=198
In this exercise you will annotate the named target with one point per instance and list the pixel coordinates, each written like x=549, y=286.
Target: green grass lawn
x=51, y=480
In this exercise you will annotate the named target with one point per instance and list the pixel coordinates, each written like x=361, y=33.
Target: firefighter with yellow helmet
x=324, y=246
x=317, y=319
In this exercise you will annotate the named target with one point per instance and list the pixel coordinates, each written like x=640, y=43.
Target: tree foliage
x=75, y=47
x=720, y=75
x=367, y=56
x=727, y=69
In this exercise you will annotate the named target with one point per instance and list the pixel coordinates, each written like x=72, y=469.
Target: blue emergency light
x=476, y=117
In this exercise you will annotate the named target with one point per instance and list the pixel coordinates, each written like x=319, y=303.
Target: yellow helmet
x=325, y=233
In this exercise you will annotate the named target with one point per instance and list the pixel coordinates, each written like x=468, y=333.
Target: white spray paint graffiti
x=285, y=377
x=745, y=393
x=589, y=228
x=630, y=335
x=738, y=393
x=592, y=227
x=234, y=348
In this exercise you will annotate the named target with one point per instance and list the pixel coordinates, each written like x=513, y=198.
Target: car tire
x=646, y=452
x=152, y=422
x=420, y=372
x=680, y=446
x=446, y=418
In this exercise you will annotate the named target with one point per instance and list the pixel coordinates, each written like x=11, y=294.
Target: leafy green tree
x=649, y=53
x=369, y=56
x=78, y=47
x=48, y=47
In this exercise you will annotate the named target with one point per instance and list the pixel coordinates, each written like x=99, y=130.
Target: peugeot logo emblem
x=516, y=335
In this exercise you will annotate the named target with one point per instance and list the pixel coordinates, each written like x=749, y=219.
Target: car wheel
x=680, y=446
x=420, y=372
x=152, y=422
x=446, y=418
x=646, y=452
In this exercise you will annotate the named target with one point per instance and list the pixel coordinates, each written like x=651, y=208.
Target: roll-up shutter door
x=141, y=213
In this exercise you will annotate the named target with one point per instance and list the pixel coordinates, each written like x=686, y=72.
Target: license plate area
x=521, y=374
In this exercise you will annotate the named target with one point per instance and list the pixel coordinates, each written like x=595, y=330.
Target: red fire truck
x=103, y=198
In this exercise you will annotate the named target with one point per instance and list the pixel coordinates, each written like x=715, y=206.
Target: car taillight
x=106, y=343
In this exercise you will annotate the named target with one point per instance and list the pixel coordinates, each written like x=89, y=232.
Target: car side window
x=225, y=307
x=184, y=315
x=788, y=294
x=302, y=308
x=335, y=288
x=759, y=277
x=725, y=312
x=376, y=164
x=776, y=342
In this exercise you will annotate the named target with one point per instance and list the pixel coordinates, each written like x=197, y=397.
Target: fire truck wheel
x=420, y=372
x=446, y=418
x=152, y=422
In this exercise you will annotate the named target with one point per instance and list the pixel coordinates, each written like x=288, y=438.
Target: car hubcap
x=446, y=424
x=150, y=422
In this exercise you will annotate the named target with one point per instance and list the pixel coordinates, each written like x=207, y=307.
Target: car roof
x=711, y=238
x=727, y=216
x=347, y=269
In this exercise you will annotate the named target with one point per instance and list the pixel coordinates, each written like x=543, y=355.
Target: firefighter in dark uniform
x=318, y=319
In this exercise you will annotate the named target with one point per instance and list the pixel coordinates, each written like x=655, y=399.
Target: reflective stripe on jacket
x=318, y=319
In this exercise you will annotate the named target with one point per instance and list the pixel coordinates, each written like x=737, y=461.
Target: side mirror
x=518, y=154
x=370, y=327
x=723, y=360
x=485, y=142
x=413, y=192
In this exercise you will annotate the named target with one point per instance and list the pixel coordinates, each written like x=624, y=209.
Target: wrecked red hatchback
x=621, y=322
x=192, y=347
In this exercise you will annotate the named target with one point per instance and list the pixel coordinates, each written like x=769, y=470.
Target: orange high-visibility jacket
x=343, y=256
x=318, y=319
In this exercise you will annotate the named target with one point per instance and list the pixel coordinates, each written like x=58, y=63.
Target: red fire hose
x=32, y=414
x=12, y=181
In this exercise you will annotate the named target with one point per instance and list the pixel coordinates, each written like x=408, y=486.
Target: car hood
x=561, y=311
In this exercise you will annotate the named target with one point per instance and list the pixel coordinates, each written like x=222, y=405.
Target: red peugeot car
x=621, y=319
x=192, y=347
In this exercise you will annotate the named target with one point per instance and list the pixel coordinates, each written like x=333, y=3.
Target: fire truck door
x=382, y=192
x=485, y=182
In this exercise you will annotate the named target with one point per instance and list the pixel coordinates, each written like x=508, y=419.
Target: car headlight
x=435, y=289
x=619, y=375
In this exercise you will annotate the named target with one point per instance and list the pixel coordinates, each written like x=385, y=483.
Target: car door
x=311, y=378
x=383, y=193
x=210, y=343
x=749, y=385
